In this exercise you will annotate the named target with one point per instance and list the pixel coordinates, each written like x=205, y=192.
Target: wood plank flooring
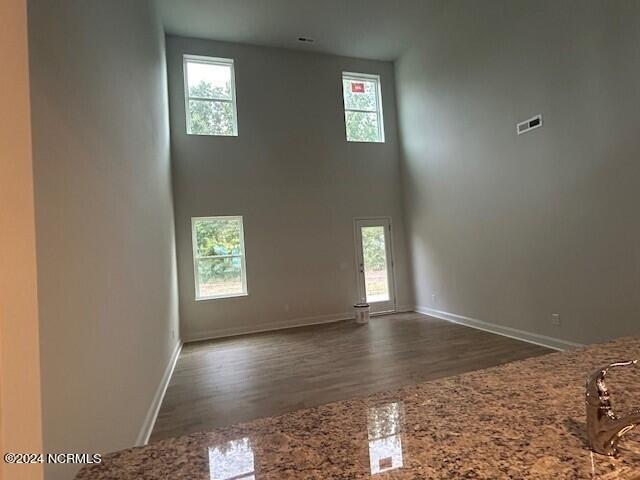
x=226, y=381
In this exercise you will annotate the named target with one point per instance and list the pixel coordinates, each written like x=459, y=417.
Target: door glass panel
x=374, y=254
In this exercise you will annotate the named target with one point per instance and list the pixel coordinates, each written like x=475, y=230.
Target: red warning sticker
x=357, y=87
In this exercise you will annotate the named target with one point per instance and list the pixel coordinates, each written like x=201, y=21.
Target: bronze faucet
x=604, y=427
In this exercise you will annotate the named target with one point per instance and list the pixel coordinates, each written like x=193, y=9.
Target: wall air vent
x=307, y=40
x=528, y=125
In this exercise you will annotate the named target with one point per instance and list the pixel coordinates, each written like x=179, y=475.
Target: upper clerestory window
x=210, y=96
x=362, y=107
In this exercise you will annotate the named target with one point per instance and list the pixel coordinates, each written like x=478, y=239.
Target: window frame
x=367, y=77
x=205, y=60
x=197, y=258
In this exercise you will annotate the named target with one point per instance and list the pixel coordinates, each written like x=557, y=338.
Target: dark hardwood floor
x=226, y=381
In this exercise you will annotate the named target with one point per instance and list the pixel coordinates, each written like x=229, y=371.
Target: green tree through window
x=209, y=117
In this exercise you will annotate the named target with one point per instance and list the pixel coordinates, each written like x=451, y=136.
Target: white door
x=375, y=264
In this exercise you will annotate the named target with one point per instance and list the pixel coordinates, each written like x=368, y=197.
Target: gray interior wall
x=293, y=177
x=105, y=229
x=509, y=229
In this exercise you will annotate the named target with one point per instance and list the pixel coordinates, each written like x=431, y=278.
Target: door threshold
x=386, y=312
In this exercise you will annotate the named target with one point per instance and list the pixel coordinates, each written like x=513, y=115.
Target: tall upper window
x=218, y=257
x=362, y=107
x=210, y=96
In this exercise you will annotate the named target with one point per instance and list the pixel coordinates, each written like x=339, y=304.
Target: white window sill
x=212, y=135
x=220, y=297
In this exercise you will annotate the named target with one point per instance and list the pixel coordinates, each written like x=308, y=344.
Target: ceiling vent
x=307, y=40
x=528, y=125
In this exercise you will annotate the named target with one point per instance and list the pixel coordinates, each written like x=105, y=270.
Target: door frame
x=358, y=254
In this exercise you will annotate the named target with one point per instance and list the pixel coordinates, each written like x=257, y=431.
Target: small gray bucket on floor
x=362, y=311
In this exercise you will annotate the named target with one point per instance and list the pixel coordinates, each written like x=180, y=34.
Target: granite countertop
x=522, y=420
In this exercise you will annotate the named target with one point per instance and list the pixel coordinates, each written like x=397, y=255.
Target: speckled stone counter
x=523, y=420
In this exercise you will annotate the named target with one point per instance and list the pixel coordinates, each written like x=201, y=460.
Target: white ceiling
x=375, y=29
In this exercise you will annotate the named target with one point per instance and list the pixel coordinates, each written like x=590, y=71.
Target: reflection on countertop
x=384, y=425
x=232, y=460
x=522, y=420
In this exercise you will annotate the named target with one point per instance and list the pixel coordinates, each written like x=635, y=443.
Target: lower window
x=218, y=257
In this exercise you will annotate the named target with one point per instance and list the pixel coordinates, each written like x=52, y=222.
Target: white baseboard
x=292, y=323
x=296, y=322
x=537, y=339
x=154, y=408
x=405, y=308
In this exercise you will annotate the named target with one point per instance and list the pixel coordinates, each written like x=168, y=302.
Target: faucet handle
x=621, y=364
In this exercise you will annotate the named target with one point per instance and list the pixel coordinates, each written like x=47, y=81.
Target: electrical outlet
x=555, y=319
x=173, y=334
x=434, y=298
